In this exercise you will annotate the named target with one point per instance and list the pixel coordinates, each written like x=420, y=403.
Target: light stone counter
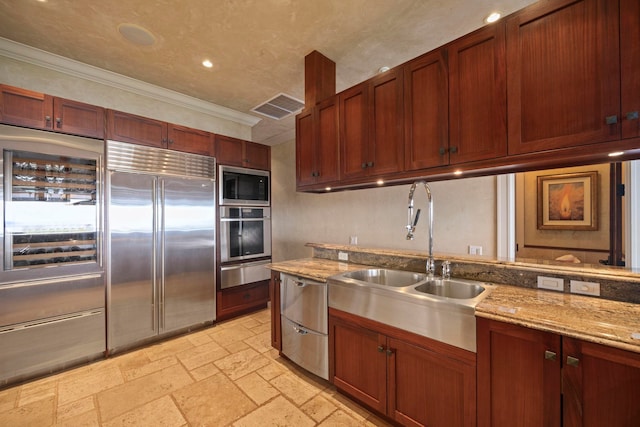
x=596, y=320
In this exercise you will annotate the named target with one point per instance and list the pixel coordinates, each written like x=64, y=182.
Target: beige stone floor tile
x=261, y=342
x=76, y=408
x=168, y=348
x=162, y=412
x=37, y=390
x=9, y=398
x=126, y=361
x=38, y=413
x=149, y=368
x=263, y=316
x=237, y=346
x=242, y=363
x=202, y=355
x=294, y=388
x=200, y=337
x=346, y=405
x=272, y=370
x=230, y=334
x=204, y=371
x=214, y=401
x=86, y=382
x=318, y=408
x=341, y=419
x=258, y=389
x=125, y=397
x=278, y=412
x=88, y=419
x=250, y=323
x=265, y=327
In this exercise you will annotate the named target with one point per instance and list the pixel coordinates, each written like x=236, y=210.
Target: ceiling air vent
x=279, y=107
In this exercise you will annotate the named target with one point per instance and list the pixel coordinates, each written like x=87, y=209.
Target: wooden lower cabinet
x=528, y=377
x=234, y=301
x=274, y=297
x=411, y=379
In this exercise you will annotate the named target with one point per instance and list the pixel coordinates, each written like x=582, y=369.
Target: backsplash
x=614, y=284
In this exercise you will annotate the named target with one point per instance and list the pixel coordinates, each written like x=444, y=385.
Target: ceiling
x=257, y=46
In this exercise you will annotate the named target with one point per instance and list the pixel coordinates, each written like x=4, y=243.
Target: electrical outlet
x=475, y=250
x=343, y=256
x=551, y=283
x=353, y=240
x=585, y=288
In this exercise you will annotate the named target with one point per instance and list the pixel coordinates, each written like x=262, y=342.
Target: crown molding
x=41, y=58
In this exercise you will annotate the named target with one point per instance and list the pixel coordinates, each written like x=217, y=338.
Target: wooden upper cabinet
x=190, y=140
x=125, y=127
x=386, y=142
x=36, y=110
x=78, y=118
x=237, y=152
x=354, y=130
x=630, y=66
x=478, y=96
x=425, y=112
x=25, y=108
x=318, y=144
x=563, y=77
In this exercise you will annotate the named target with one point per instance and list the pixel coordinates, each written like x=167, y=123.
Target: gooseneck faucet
x=413, y=221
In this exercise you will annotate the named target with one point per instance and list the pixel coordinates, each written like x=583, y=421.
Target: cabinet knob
x=443, y=151
x=58, y=122
x=370, y=164
x=453, y=149
x=164, y=140
x=47, y=119
x=549, y=355
x=390, y=351
x=572, y=361
x=364, y=166
x=170, y=141
x=632, y=115
x=380, y=349
x=611, y=120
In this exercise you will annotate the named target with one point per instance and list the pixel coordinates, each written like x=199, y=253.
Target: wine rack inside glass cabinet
x=51, y=212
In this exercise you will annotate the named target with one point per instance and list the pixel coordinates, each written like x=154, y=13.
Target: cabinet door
x=257, y=156
x=126, y=127
x=327, y=144
x=354, y=131
x=274, y=296
x=630, y=64
x=78, y=118
x=386, y=149
x=425, y=112
x=600, y=385
x=25, y=108
x=305, y=149
x=358, y=362
x=429, y=389
x=518, y=376
x=478, y=96
x=563, y=79
x=228, y=150
x=190, y=140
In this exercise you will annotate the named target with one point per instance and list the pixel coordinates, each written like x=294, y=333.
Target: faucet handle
x=431, y=267
x=446, y=269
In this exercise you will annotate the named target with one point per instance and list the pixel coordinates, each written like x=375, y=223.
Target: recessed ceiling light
x=207, y=63
x=616, y=154
x=493, y=17
x=136, y=34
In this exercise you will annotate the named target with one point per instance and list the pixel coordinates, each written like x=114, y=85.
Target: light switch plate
x=585, y=288
x=551, y=283
x=343, y=256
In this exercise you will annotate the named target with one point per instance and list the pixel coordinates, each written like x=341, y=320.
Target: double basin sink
x=441, y=309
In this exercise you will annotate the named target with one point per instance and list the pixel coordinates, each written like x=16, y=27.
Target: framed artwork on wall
x=568, y=201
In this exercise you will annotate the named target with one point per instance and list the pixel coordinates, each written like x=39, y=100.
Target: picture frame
x=568, y=201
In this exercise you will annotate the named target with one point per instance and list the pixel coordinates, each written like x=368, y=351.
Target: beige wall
x=40, y=79
x=464, y=214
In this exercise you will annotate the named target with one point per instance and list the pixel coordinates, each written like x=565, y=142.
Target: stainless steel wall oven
x=245, y=233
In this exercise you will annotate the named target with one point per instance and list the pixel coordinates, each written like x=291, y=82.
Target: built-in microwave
x=243, y=187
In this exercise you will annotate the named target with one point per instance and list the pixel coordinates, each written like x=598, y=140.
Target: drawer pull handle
x=300, y=331
x=572, y=361
x=611, y=120
x=632, y=115
x=549, y=355
x=380, y=349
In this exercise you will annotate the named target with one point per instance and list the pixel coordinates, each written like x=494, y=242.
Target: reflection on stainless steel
x=245, y=233
x=240, y=274
x=385, y=277
x=51, y=282
x=449, y=318
x=161, y=242
x=305, y=327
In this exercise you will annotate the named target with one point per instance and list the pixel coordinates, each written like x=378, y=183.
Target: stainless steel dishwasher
x=305, y=328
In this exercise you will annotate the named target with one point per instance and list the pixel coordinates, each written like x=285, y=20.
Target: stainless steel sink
x=386, y=277
x=451, y=288
x=440, y=309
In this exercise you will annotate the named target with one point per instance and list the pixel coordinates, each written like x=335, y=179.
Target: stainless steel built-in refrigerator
x=161, y=226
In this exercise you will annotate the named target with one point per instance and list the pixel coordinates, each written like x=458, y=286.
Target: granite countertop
x=602, y=321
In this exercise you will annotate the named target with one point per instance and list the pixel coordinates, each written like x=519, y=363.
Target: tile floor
x=225, y=375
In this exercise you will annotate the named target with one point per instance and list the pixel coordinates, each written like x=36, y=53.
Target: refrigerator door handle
x=154, y=257
x=161, y=232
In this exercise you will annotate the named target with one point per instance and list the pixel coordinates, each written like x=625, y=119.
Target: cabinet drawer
x=244, y=296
